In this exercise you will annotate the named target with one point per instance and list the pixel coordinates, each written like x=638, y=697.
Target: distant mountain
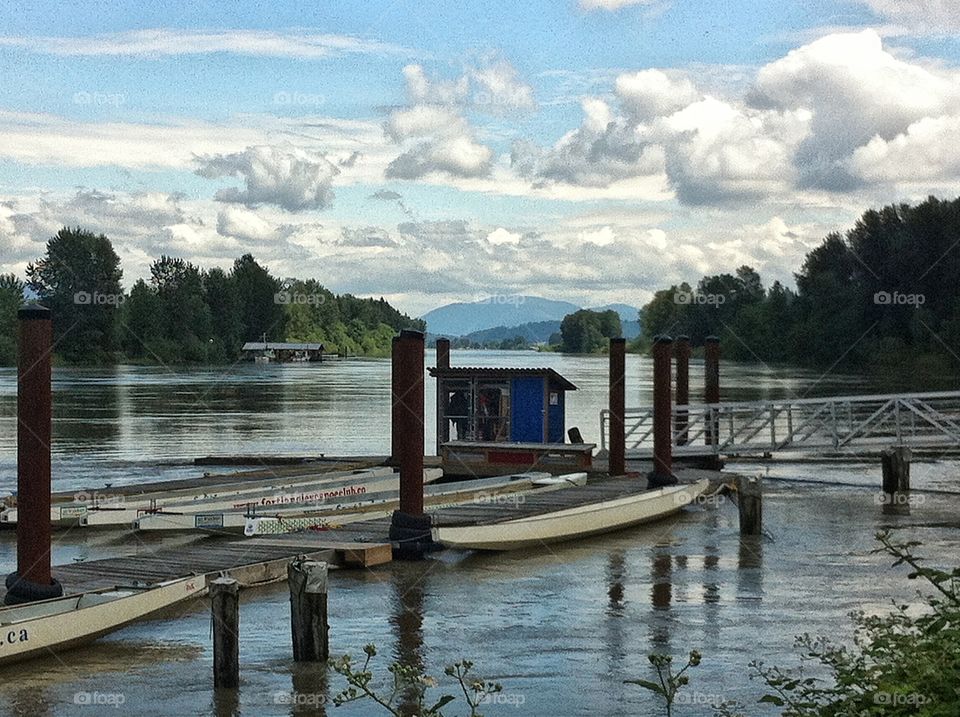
x=536, y=332
x=497, y=311
x=627, y=312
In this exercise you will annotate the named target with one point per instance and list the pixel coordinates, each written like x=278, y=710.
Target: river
x=560, y=628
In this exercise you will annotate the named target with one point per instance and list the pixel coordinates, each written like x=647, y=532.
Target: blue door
x=526, y=412
x=556, y=424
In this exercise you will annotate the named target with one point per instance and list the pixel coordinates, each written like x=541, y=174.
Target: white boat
x=568, y=523
x=40, y=628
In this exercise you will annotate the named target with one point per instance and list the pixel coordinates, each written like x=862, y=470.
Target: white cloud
x=499, y=89
x=236, y=221
x=286, y=177
x=611, y=5
x=420, y=89
x=171, y=42
x=926, y=17
x=503, y=237
x=648, y=94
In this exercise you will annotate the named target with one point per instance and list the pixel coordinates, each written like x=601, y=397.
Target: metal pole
x=617, y=399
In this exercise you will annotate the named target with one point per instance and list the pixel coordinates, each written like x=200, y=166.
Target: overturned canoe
x=569, y=523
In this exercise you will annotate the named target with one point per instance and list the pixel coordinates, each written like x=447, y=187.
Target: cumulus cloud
x=928, y=17
x=502, y=237
x=499, y=89
x=235, y=221
x=649, y=94
x=286, y=177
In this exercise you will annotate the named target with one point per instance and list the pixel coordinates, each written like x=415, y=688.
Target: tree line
x=182, y=313
x=882, y=295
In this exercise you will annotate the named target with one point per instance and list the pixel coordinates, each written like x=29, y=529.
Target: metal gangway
x=837, y=424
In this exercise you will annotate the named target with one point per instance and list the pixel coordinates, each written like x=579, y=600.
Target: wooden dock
x=363, y=544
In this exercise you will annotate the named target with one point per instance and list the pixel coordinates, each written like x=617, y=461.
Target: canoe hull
x=65, y=623
x=570, y=523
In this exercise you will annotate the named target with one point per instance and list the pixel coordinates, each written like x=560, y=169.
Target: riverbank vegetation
x=879, y=297
x=183, y=313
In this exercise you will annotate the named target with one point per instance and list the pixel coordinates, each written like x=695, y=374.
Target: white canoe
x=232, y=515
x=40, y=628
x=577, y=522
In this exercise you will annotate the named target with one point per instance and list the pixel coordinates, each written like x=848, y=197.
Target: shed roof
x=506, y=372
x=280, y=346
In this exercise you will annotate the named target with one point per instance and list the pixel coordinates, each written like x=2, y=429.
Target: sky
x=429, y=152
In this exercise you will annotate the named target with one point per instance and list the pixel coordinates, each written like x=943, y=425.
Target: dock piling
x=682, y=388
x=410, y=528
x=443, y=353
x=33, y=580
x=895, y=462
x=307, y=580
x=225, y=611
x=394, y=392
x=617, y=399
x=662, y=473
x=750, y=504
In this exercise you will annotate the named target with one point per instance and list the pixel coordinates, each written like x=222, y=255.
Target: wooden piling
x=443, y=353
x=307, y=581
x=33, y=580
x=682, y=388
x=662, y=425
x=394, y=392
x=225, y=611
x=750, y=504
x=617, y=400
x=711, y=385
x=895, y=462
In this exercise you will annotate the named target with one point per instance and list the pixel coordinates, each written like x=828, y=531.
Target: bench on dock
x=492, y=458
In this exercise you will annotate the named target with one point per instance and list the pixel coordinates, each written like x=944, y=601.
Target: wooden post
x=409, y=528
x=443, y=353
x=309, y=628
x=711, y=384
x=750, y=504
x=225, y=610
x=617, y=400
x=895, y=464
x=394, y=392
x=662, y=425
x=33, y=581
x=682, y=388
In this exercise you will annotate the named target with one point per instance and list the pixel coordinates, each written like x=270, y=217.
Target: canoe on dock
x=576, y=522
x=40, y=628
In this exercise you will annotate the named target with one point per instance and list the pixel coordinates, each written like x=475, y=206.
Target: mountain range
x=501, y=315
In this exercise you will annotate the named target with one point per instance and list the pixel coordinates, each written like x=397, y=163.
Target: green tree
x=79, y=281
x=261, y=308
x=11, y=299
x=586, y=331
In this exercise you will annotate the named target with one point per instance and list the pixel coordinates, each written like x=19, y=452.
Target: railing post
x=682, y=388
x=662, y=473
x=617, y=400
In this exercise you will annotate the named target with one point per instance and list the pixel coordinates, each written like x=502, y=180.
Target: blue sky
x=588, y=150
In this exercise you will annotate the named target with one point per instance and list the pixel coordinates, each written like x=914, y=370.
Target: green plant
x=407, y=695
x=668, y=683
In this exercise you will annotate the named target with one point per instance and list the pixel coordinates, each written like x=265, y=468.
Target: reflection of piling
x=410, y=529
x=682, y=387
x=33, y=581
x=617, y=458
x=662, y=429
x=895, y=464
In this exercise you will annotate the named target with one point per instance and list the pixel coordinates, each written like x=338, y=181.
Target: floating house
x=280, y=352
x=492, y=421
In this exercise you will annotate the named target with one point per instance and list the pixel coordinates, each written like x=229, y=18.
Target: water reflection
x=407, y=621
x=750, y=564
x=661, y=592
x=616, y=569
x=311, y=689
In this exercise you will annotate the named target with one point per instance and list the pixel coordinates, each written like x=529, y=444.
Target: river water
x=560, y=628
